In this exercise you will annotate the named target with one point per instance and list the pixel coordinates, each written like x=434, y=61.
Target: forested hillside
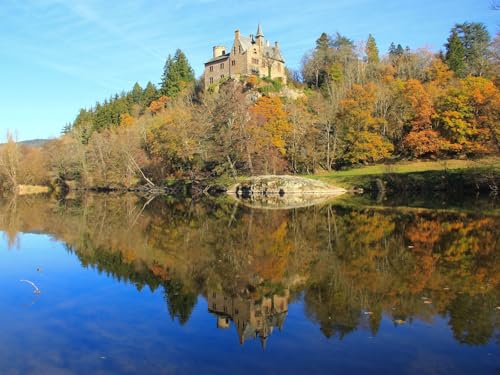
x=348, y=105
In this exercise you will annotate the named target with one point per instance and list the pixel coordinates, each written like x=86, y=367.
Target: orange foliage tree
x=270, y=130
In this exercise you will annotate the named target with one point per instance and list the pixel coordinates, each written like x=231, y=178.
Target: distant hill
x=32, y=142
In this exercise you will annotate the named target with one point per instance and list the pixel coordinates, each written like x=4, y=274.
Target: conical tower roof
x=259, y=31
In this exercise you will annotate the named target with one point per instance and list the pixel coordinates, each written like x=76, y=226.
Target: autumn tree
x=270, y=127
x=468, y=116
x=421, y=139
x=363, y=142
x=9, y=164
x=230, y=141
x=173, y=140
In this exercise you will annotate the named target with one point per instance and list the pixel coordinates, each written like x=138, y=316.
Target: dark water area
x=178, y=286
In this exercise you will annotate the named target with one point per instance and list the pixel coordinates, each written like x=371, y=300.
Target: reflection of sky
x=88, y=323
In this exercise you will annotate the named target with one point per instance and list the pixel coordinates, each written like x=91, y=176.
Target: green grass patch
x=359, y=177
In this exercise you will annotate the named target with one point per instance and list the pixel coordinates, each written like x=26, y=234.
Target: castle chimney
x=219, y=51
x=237, y=34
x=276, y=45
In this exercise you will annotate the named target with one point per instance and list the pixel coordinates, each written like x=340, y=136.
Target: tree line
x=346, y=106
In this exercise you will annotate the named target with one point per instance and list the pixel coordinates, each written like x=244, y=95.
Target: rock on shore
x=283, y=185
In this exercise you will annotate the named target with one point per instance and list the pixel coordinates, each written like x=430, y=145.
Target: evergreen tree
x=150, y=94
x=399, y=50
x=372, y=50
x=177, y=74
x=136, y=94
x=392, y=49
x=323, y=42
x=67, y=128
x=341, y=42
x=475, y=41
x=455, y=55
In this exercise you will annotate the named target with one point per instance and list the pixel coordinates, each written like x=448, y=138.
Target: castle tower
x=259, y=37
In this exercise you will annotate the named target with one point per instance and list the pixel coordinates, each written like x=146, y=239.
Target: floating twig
x=36, y=291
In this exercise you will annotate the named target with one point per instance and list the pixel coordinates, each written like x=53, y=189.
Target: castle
x=252, y=55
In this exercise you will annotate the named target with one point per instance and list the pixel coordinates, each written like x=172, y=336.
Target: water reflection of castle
x=253, y=318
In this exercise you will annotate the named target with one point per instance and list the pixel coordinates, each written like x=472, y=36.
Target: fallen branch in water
x=36, y=291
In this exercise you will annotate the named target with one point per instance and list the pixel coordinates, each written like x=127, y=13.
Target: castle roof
x=218, y=58
x=273, y=52
x=247, y=43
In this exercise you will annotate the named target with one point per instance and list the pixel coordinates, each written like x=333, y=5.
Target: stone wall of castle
x=240, y=62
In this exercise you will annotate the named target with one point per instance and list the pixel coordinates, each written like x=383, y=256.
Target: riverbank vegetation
x=347, y=107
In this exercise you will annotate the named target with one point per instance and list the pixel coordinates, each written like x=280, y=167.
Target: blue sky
x=60, y=55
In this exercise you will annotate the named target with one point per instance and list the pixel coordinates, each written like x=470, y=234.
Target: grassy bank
x=419, y=175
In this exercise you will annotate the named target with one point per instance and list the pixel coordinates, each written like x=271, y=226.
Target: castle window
x=222, y=76
x=211, y=68
x=214, y=294
x=255, y=61
x=222, y=65
x=211, y=80
x=255, y=50
x=233, y=63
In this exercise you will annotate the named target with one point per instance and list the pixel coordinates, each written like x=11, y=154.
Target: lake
x=130, y=285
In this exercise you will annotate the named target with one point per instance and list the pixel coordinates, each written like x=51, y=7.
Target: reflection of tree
x=179, y=301
x=472, y=318
x=354, y=265
x=333, y=309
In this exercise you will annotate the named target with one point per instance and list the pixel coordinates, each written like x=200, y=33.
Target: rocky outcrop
x=283, y=185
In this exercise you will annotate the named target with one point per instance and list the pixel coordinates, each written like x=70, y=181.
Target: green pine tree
x=177, y=74
x=136, y=94
x=372, y=50
x=475, y=41
x=150, y=94
x=323, y=42
x=392, y=49
x=455, y=55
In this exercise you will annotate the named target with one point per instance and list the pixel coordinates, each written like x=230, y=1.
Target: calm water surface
x=213, y=287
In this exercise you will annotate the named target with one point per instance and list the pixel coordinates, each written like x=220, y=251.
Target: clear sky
x=60, y=55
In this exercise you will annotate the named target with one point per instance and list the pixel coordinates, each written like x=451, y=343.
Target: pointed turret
x=259, y=31
x=260, y=36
